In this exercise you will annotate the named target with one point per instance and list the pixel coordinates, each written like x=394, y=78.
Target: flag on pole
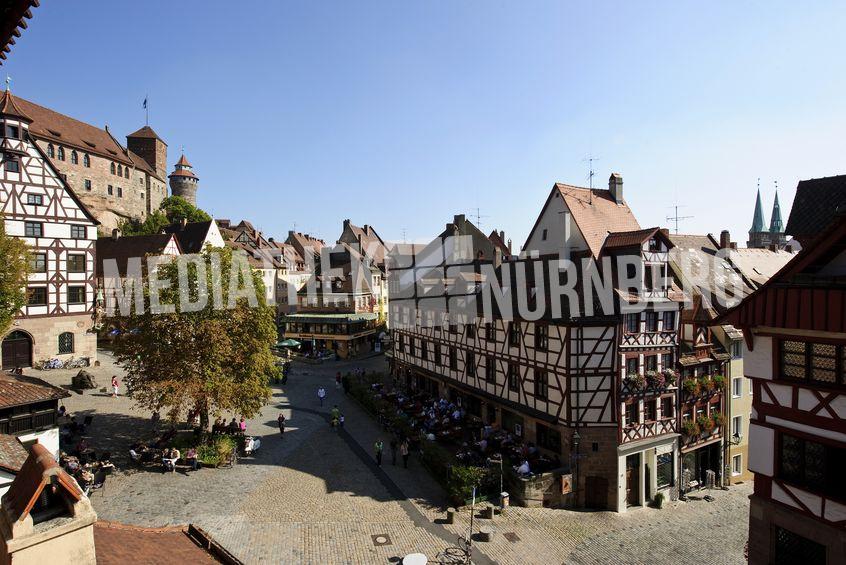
x=145, y=103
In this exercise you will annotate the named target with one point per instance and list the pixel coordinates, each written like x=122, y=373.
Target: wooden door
x=596, y=492
x=17, y=351
x=632, y=480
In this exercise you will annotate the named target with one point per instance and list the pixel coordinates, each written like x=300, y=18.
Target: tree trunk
x=203, y=410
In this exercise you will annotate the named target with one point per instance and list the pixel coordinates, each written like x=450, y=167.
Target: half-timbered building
x=597, y=225
x=794, y=329
x=39, y=207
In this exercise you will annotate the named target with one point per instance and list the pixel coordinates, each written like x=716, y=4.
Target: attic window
x=89, y=144
x=49, y=504
x=112, y=152
x=54, y=132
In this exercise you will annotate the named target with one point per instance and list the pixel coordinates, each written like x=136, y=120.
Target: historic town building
x=183, y=181
x=794, y=331
x=338, y=308
x=39, y=207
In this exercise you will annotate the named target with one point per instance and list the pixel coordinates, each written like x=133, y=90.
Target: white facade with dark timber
x=38, y=207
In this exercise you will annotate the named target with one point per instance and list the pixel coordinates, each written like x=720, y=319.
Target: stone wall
x=140, y=194
x=45, y=335
x=601, y=463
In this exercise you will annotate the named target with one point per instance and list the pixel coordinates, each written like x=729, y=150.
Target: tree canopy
x=211, y=351
x=172, y=209
x=14, y=268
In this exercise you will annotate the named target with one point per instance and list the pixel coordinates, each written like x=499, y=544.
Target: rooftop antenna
x=591, y=173
x=675, y=217
x=478, y=215
x=403, y=235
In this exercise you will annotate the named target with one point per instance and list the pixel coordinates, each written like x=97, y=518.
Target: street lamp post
x=576, y=439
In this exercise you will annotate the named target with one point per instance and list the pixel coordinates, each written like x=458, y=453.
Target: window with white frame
x=736, y=387
x=737, y=426
x=736, y=464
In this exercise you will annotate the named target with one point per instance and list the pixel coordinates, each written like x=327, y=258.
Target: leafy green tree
x=211, y=351
x=172, y=209
x=14, y=268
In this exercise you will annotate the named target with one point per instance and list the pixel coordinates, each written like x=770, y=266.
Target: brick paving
x=316, y=496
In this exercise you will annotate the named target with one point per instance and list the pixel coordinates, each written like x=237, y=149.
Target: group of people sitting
x=233, y=427
x=169, y=457
x=89, y=472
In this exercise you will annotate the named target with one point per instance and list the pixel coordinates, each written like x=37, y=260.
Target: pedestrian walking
x=404, y=453
x=379, y=447
x=281, y=421
x=115, y=386
x=393, y=450
x=341, y=420
x=321, y=394
x=336, y=413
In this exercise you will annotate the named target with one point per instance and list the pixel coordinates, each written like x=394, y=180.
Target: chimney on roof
x=733, y=245
x=615, y=187
x=346, y=223
x=458, y=219
x=502, y=235
x=115, y=234
x=509, y=246
x=271, y=240
x=725, y=239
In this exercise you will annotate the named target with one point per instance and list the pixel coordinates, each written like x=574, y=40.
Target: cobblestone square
x=316, y=496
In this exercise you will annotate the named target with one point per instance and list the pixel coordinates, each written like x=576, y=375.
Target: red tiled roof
x=9, y=107
x=12, y=453
x=146, y=132
x=124, y=248
x=182, y=173
x=119, y=544
x=619, y=239
x=499, y=243
x=17, y=390
x=183, y=161
x=52, y=126
x=596, y=213
x=37, y=471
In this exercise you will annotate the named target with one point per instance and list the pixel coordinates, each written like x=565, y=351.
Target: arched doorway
x=17, y=350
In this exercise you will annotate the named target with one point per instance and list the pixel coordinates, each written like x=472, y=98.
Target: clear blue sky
x=402, y=113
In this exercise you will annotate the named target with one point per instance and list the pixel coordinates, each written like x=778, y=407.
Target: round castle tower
x=183, y=181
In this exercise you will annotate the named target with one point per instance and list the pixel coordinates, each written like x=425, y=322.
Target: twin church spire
x=759, y=235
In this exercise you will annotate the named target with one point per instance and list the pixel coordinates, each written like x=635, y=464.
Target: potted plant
x=635, y=381
x=705, y=423
x=719, y=381
x=670, y=376
x=654, y=379
x=690, y=428
x=719, y=419
x=706, y=383
x=691, y=386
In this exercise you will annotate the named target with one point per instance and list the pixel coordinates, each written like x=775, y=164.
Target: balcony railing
x=32, y=421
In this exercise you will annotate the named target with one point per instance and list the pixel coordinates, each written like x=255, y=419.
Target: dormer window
x=654, y=245
x=13, y=131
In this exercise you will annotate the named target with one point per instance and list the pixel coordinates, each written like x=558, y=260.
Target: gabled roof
x=371, y=243
x=595, y=213
x=39, y=470
x=183, y=162
x=58, y=128
x=622, y=239
x=192, y=236
x=758, y=265
x=126, y=247
x=302, y=241
x=146, y=132
x=9, y=107
x=19, y=390
x=499, y=243
x=815, y=206
x=12, y=453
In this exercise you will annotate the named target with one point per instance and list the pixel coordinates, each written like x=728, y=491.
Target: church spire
x=758, y=217
x=776, y=225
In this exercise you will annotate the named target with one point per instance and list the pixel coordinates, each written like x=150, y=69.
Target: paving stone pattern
x=316, y=496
